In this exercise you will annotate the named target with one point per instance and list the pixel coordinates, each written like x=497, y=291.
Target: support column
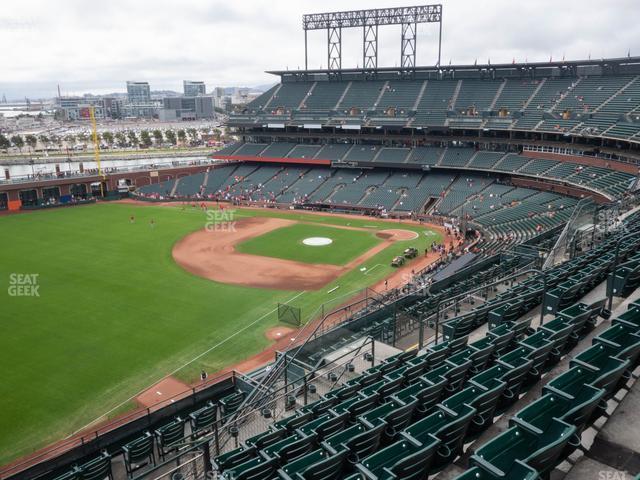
x=408, y=45
x=334, y=48
x=370, y=47
x=440, y=41
x=306, y=57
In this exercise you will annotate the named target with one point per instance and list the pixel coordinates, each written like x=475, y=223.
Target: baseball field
x=100, y=302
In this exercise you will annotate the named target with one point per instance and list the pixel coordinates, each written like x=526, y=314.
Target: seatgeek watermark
x=221, y=220
x=24, y=285
x=612, y=475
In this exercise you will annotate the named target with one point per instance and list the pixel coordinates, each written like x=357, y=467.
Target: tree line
x=121, y=139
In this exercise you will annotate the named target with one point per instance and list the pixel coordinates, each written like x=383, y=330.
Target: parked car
x=398, y=261
x=411, y=252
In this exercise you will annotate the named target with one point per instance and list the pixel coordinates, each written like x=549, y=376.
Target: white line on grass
x=188, y=363
x=372, y=268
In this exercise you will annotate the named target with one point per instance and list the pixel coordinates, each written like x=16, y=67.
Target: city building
x=194, y=89
x=224, y=103
x=219, y=92
x=138, y=93
x=77, y=108
x=187, y=108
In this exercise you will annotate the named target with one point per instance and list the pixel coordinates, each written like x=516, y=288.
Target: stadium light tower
x=369, y=21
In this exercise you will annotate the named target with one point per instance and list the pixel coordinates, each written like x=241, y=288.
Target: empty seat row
x=548, y=430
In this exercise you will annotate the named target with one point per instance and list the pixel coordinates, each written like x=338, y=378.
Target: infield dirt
x=211, y=254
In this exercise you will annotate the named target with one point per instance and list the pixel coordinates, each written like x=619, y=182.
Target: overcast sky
x=97, y=46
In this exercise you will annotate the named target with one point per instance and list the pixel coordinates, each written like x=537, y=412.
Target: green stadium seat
x=139, y=453
x=571, y=382
x=484, y=399
x=402, y=357
x=394, y=416
x=447, y=426
x=542, y=452
x=356, y=406
x=290, y=448
x=294, y=421
x=536, y=416
x=427, y=391
x=458, y=344
x=521, y=329
x=455, y=369
x=169, y=436
x=436, y=354
x=459, y=326
x=480, y=352
x=558, y=332
x=234, y=457
x=387, y=387
x=562, y=296
x=230, y=403
x=401, y=460
x=513, y=374
x=382, y=368
x=317, y=465
x=97, y=469
x=409, y=373
x=501, y=337
x=348, y=390
x=325, y=425
x=599, y=360
x=625, y=279
x=576, y=314
x=539, y=349
x=631, y=317
x=367, y=378
x=519, y=471
x=202, y=419
x=258, y=468
x=623, y=340
x=358, y=440
x=508, y=312
x=344, y=392
x=266, y=438
x=322, y=405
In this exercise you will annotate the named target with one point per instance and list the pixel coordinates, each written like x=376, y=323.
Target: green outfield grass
x=286, y=242
x=115, y=313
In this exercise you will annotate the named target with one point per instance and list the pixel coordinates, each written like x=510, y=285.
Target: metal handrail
x=616, y=262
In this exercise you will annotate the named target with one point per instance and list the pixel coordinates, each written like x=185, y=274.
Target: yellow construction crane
x=96, y=147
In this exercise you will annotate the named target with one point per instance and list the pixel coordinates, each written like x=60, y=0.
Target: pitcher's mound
x=317, y=241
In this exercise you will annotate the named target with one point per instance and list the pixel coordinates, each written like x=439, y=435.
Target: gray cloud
x=98, y=46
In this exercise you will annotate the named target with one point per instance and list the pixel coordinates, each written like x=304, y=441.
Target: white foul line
x=372, y=268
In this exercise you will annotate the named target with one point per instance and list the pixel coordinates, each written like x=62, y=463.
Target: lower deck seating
x=158, y=189
x=603, y=179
